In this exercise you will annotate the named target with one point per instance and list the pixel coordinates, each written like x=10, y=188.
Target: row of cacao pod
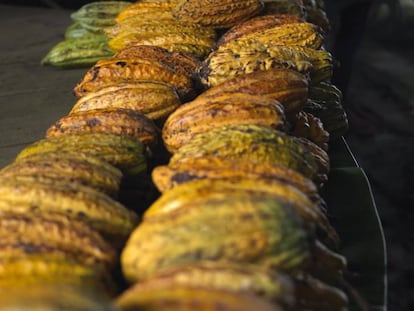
x=256, y=42
x=238, y=177
x=62, y=222
x=73, y=178
x=161, y=23
x=153, y=78
x=62, y=226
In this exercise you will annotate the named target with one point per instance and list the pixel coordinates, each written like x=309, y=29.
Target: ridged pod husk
x=193, y=191
x=201, y=116
x=142, y=8
x=97, y=15
x=246, y=56
x=239, y=53
x=293, y=7
x=88, y=170
x=318, y=17
x=216, y=13
x=142, y=30
x=133, y=24
x=259, y=144
x=325, y=102
x=185, y=298
x=297, y=34
x=50, y=233
x=186, y=169
x=102, y=213
x=54, y=297
x=322, y=63
x=241, y=227
x=225, y=276
x=197, y=50
x=162, y=16
x=124, y=152
x=34, y=270
x=311, y=127
x=110, y=120
x=182, y=62
x=301, y=291
x=142, y=27
x=154, y=99
x=327, y=265
x=160, y=37
x=314, y=294
x=321, y=156
x=120, y=70
x=287, y=86
x=333, y=117
x=78, y=52
x=325, y=91
x=256, y=24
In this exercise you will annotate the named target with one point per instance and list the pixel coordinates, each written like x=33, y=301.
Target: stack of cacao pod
x=240, y=92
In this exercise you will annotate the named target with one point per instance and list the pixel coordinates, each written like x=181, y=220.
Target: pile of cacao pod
x=227, y=106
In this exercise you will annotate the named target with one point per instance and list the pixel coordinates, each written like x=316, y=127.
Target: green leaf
x=353, y=213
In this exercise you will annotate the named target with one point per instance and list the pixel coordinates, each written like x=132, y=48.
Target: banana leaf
x=353, y=212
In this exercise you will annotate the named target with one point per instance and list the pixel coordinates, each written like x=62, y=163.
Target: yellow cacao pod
x=216, y=13
x=154, y=99
x=110, y=120
x=287, y=86
x=121, y=70
x=201, y=116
